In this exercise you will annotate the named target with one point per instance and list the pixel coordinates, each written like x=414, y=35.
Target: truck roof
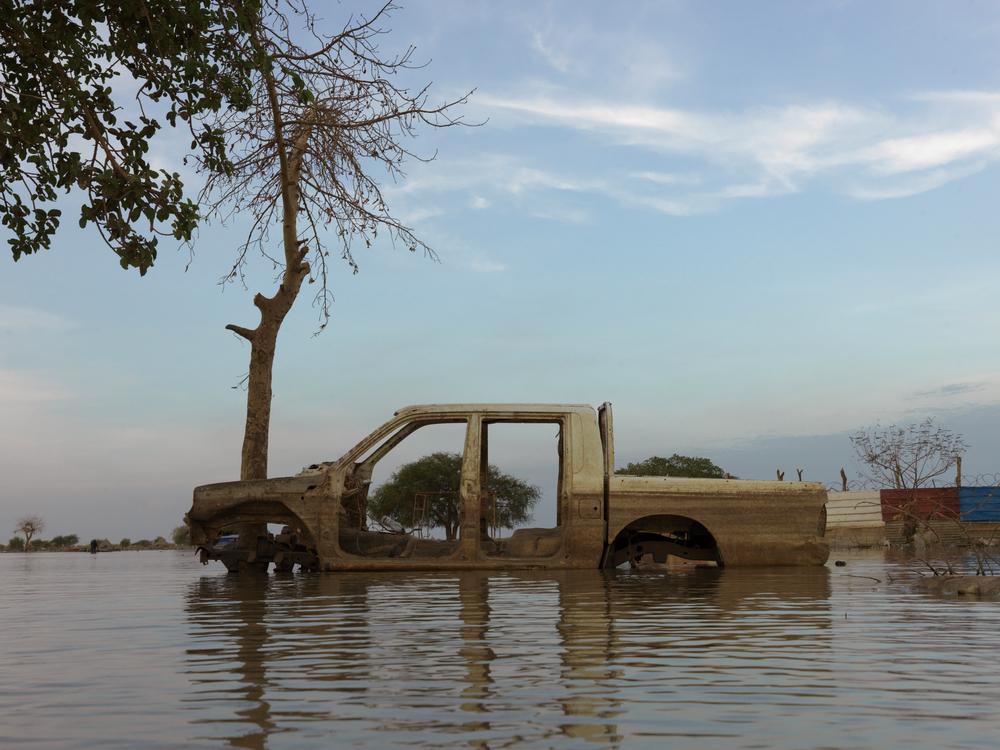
x=492, y=407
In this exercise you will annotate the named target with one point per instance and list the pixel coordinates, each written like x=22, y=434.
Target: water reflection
x=145, y=651
x=226, y=660
x=489, y=660
x=474, y=651
x=587, y=639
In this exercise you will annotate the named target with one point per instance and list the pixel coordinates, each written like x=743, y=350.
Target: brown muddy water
x=151, y=650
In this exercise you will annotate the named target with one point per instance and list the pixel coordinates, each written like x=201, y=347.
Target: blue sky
x=753, y=227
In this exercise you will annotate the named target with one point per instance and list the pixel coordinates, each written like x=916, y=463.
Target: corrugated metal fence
x=979, y=503
x=943, y=512
x=924, y=504
x=854, y=510
x=973, y=504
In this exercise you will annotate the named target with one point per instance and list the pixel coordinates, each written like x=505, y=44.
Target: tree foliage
x=66, y=67
x=439, y=475
x=16, y=544
x=909, y=456
x=329, y=115
x=292, y=128
x=675, y=466
x=181, y=536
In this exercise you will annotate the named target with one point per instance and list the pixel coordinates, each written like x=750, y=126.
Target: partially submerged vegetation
x=924, y=519
x=29, y=527
x=59, y=544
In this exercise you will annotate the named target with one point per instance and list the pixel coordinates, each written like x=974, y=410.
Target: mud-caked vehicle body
x=602, y=519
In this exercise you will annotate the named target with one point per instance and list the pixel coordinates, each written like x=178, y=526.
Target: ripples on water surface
x=150, y=650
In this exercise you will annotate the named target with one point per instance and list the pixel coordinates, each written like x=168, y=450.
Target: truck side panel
x=752, y=523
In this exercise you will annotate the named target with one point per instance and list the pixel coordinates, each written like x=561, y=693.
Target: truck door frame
x=606, y=427
x=564, y=483
x=379, y=443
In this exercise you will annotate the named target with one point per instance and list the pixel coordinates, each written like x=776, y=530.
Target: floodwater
x=151, y=650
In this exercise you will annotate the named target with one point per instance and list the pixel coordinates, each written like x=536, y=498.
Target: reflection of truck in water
x=602, y=519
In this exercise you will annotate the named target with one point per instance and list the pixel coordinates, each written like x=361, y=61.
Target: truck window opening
x=521, y=513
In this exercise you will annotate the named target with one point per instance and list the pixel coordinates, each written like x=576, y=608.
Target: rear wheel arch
x=661, y=534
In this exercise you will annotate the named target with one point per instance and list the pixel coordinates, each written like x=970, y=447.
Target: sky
x=753, y=228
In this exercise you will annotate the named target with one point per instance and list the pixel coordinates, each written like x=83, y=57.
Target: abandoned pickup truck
x=602, y=519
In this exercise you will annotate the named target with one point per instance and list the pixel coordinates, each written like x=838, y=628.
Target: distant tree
x=66, y=540
x=125, y=543
x=907, y=457
x=29, y=527
x=16, y=544
x=181, y=536
x=440, y=473
x=675, y=466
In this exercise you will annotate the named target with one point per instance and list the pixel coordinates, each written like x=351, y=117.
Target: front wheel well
x=246, y=515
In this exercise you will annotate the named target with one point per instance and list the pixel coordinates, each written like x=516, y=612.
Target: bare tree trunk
x=253, y=463
x=263, y=343
x=264, y=338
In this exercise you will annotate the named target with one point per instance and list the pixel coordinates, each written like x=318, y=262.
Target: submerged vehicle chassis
x=602, y=519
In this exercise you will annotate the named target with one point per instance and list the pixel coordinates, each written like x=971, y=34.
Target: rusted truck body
x=602, y=519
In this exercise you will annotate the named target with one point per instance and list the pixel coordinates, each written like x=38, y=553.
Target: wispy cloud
x=576, y=48
x=418, y=214
x=498, y=172
x=15, y=319
x=19, y=387
x=667, y=178
x=699, y=161
x=458, y=253
x=907, y=185
x=952, y=389
x=966, y=391
x=969, y=97
x=482, y=264
x=862, y=151
x=931, y=150
x=508, y=178
x=563, y=214
x=558, y=58
x=786, y=139
x=492, y=178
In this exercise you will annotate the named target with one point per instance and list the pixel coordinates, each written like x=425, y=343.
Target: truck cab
x=601, y=520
